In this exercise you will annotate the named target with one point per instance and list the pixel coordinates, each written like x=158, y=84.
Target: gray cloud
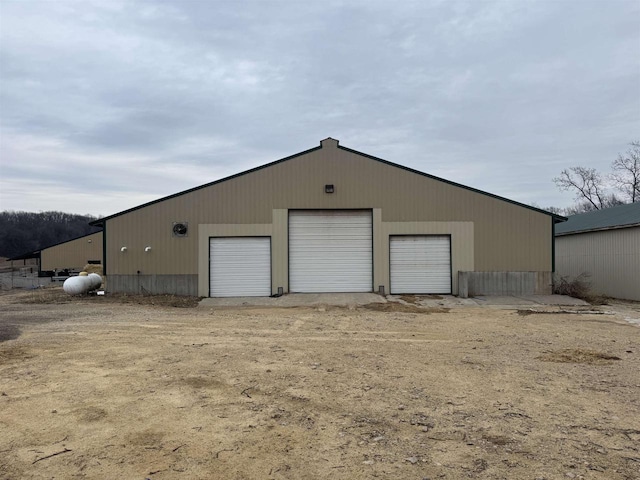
x=160, y=96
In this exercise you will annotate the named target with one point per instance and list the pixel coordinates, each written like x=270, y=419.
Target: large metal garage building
x=329, y=219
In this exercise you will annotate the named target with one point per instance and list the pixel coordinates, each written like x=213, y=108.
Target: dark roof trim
x=24, y=256
x=600, y=229
x=556, y=218
x=100, y=222
x=71, y=239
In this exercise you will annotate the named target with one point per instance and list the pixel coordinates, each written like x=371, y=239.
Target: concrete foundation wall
x=155, y=284
x=504, y=283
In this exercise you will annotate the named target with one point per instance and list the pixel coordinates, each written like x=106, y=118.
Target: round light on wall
x=147, y=249
x=123, y=249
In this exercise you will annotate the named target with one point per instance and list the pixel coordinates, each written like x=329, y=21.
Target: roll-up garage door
x=420, y=264
x=330, y=251
x=240, y=267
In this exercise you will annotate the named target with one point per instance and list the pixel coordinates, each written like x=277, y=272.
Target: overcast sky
x=108, y=104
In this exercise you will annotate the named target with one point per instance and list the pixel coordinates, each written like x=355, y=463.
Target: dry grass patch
x=93, y=268
x=56, y=295
x=166, y=300
x=578, y=355
x=53, y=295
x=578, y=287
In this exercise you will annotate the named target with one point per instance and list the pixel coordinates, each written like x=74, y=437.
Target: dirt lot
x=103, y=388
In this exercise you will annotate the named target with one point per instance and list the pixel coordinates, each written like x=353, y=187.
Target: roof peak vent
x=329, y=143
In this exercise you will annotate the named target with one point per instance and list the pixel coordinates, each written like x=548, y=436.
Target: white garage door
x=330, y=251
x=240, y=267
x=421, y=264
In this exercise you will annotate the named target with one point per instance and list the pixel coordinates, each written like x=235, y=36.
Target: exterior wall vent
x=180, y=229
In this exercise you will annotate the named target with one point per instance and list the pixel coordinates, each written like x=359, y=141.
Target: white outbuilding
x=605, y=244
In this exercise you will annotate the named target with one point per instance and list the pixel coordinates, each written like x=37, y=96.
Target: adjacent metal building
x=605, y=244
x=73, y=254
x=329, y=219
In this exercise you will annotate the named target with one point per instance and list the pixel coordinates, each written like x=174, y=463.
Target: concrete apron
x=355, y=299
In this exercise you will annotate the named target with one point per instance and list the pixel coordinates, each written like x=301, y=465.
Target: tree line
x=595, y=191
x=22, y=232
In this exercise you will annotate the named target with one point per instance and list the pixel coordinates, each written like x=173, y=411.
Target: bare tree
x=582, y=207
x=587, y=185
x=626, y=172
x=552, y=209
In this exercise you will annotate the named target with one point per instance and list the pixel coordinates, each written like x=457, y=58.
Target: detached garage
x=329, y=219
x=605, y=245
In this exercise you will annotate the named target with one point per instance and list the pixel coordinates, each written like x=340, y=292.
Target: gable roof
x=36, y=253
x=328, y=141
x=25, y=256
x=621, y=216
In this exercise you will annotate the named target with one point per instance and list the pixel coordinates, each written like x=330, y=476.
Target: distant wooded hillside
x=21, y=232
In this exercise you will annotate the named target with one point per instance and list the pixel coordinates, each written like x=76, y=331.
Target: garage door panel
x=330, y=251
x=240, y=267
x=420, y=264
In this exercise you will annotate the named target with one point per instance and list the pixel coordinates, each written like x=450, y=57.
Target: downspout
x=104, y=249
x=553, y=254
x=553, y=245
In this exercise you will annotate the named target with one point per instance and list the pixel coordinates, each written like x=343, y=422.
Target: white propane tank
x=76, y=285
x=96, y=281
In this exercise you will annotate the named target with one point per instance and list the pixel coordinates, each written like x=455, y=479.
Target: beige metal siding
x=506, y=237
x=611, y=257
x=73, y=254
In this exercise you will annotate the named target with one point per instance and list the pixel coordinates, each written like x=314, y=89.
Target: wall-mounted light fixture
x=147, y=249
x=123, y=249
x=89, y=241
x=329, y=189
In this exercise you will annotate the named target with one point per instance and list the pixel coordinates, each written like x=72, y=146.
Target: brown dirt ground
x=132, y=387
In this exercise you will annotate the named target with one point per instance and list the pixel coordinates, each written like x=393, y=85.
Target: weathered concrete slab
x=434, y=301
x=524, y=300
x=502, y=300
x=355, y=299
x=555, y=300
x=297, y=300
